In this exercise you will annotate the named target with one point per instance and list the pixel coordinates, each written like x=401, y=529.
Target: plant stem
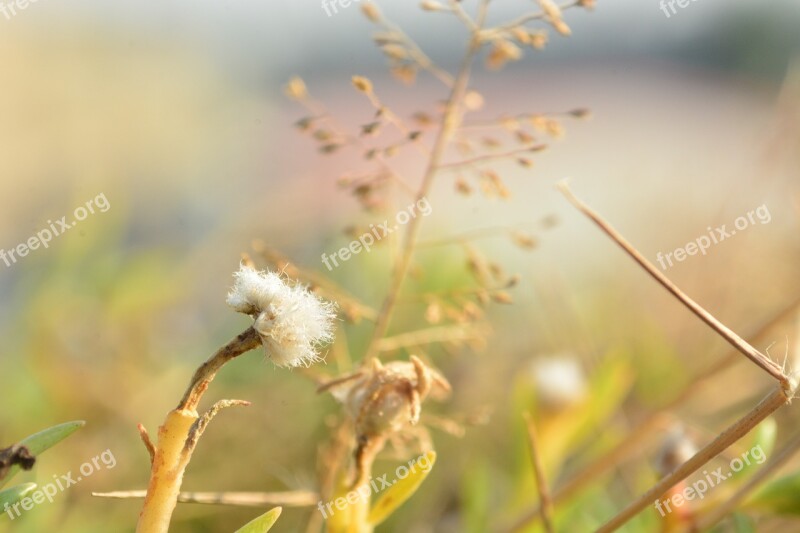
x=169, y=464
x=776, y=399
x=450, y=121
x=735, y=340
x=244, y=342
x=178, y=436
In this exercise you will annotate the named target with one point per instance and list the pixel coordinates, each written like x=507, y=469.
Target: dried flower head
x=387, y=398
x=291, y=321
x=384, y=402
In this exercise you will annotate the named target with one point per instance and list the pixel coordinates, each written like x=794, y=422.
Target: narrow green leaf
x=45, y=439
x=399, y=492
x=263, y=523
x=743, y=524
x=15, y=494
x=781, y=496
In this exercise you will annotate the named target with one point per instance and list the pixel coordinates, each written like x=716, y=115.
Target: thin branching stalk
x=450, y=122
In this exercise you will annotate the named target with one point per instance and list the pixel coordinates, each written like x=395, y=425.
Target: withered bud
x=296, y=89
x=362, y=84
x=371, y=11
x=430, y=5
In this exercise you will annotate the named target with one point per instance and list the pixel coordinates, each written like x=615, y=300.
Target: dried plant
x=384, y=394
x=383, y=401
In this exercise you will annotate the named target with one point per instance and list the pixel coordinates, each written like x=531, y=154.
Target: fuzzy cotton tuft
x=291, y=321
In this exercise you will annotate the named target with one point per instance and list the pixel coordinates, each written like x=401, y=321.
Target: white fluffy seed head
x=292, y=322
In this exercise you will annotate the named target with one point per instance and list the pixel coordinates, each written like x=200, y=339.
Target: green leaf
x=760, y=447
x=399, y=492
x=781, y=496
x=45, y=439
x=743, y=523
x=15, y=494
x=263, y=523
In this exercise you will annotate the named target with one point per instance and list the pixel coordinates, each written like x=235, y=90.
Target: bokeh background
x=175, y=112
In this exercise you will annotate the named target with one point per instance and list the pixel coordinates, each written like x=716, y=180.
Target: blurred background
x=175, y=112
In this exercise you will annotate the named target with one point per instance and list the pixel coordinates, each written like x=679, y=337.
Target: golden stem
x=169, y=464
x=178, y=435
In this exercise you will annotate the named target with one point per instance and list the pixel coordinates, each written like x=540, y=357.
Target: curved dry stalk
x=775, y=400
x=244, y=342
x=761, y=360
